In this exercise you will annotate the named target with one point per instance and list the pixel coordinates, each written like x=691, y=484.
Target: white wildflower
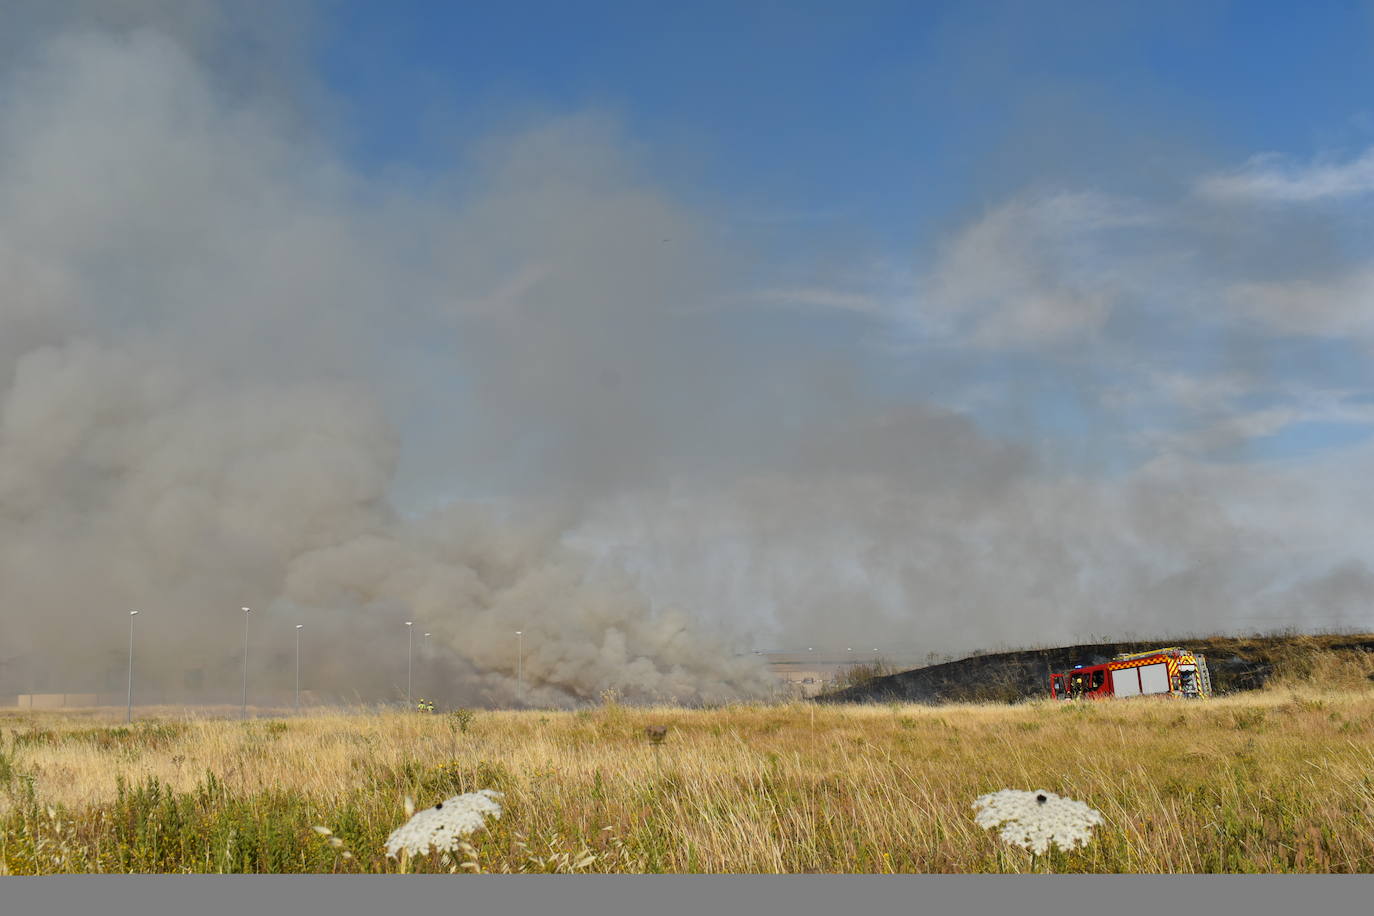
x=443, y=826
x=1037, y=820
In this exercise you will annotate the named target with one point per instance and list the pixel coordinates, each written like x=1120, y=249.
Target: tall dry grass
x=1271, y=782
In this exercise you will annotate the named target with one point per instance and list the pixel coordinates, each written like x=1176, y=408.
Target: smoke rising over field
x=206, y=323
x=526, y=392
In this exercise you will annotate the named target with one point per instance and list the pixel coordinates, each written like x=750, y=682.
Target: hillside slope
x=1236, y=663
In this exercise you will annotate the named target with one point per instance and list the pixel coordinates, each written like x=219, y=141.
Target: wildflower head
x=442, y=827
x=1037, y=820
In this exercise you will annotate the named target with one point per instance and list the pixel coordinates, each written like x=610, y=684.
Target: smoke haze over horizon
x=547, y=378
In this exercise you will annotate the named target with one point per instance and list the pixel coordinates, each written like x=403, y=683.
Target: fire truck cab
x=1171, y=671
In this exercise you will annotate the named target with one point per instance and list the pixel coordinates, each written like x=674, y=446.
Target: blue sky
x=847, y=146
x=887, y=117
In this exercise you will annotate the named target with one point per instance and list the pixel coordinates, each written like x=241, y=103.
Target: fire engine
x=1171, y=671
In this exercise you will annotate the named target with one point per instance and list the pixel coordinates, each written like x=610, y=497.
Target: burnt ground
x=1235, y=663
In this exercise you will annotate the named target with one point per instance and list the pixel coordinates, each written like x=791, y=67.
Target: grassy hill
x=1237, y=663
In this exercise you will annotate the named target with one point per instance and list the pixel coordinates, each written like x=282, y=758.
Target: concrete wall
x=278, y=699
x=59, y=700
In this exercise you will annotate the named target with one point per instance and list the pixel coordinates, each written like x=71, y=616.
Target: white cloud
x=1202, y=391
x=1343, y=306
x=1273, y=178
x=1038, y=270
x=1219, y=410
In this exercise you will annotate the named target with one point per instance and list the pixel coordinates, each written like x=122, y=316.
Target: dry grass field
x=1277, y=781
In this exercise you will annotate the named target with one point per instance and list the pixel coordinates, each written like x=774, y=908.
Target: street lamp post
x=298, y=666
x=129, y=710
x=243, y=713
x=520, y=662
x=410, y=653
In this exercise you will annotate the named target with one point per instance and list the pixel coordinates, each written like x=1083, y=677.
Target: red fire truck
x=1171, y=671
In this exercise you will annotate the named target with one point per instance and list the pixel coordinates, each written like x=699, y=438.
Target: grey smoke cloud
x=206, y=325
x=1034, y=271
x=533, y=394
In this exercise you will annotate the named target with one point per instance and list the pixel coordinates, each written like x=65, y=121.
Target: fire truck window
x=1098, y=678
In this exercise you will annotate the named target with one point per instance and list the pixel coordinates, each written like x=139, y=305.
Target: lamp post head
x=426, y=634
x=245, y=609
x=410, y=623
x=132, y=613
x=518, y=632
x=299, y=625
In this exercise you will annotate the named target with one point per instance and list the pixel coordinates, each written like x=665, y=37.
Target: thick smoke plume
x=201, y=318
x=535, y=390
